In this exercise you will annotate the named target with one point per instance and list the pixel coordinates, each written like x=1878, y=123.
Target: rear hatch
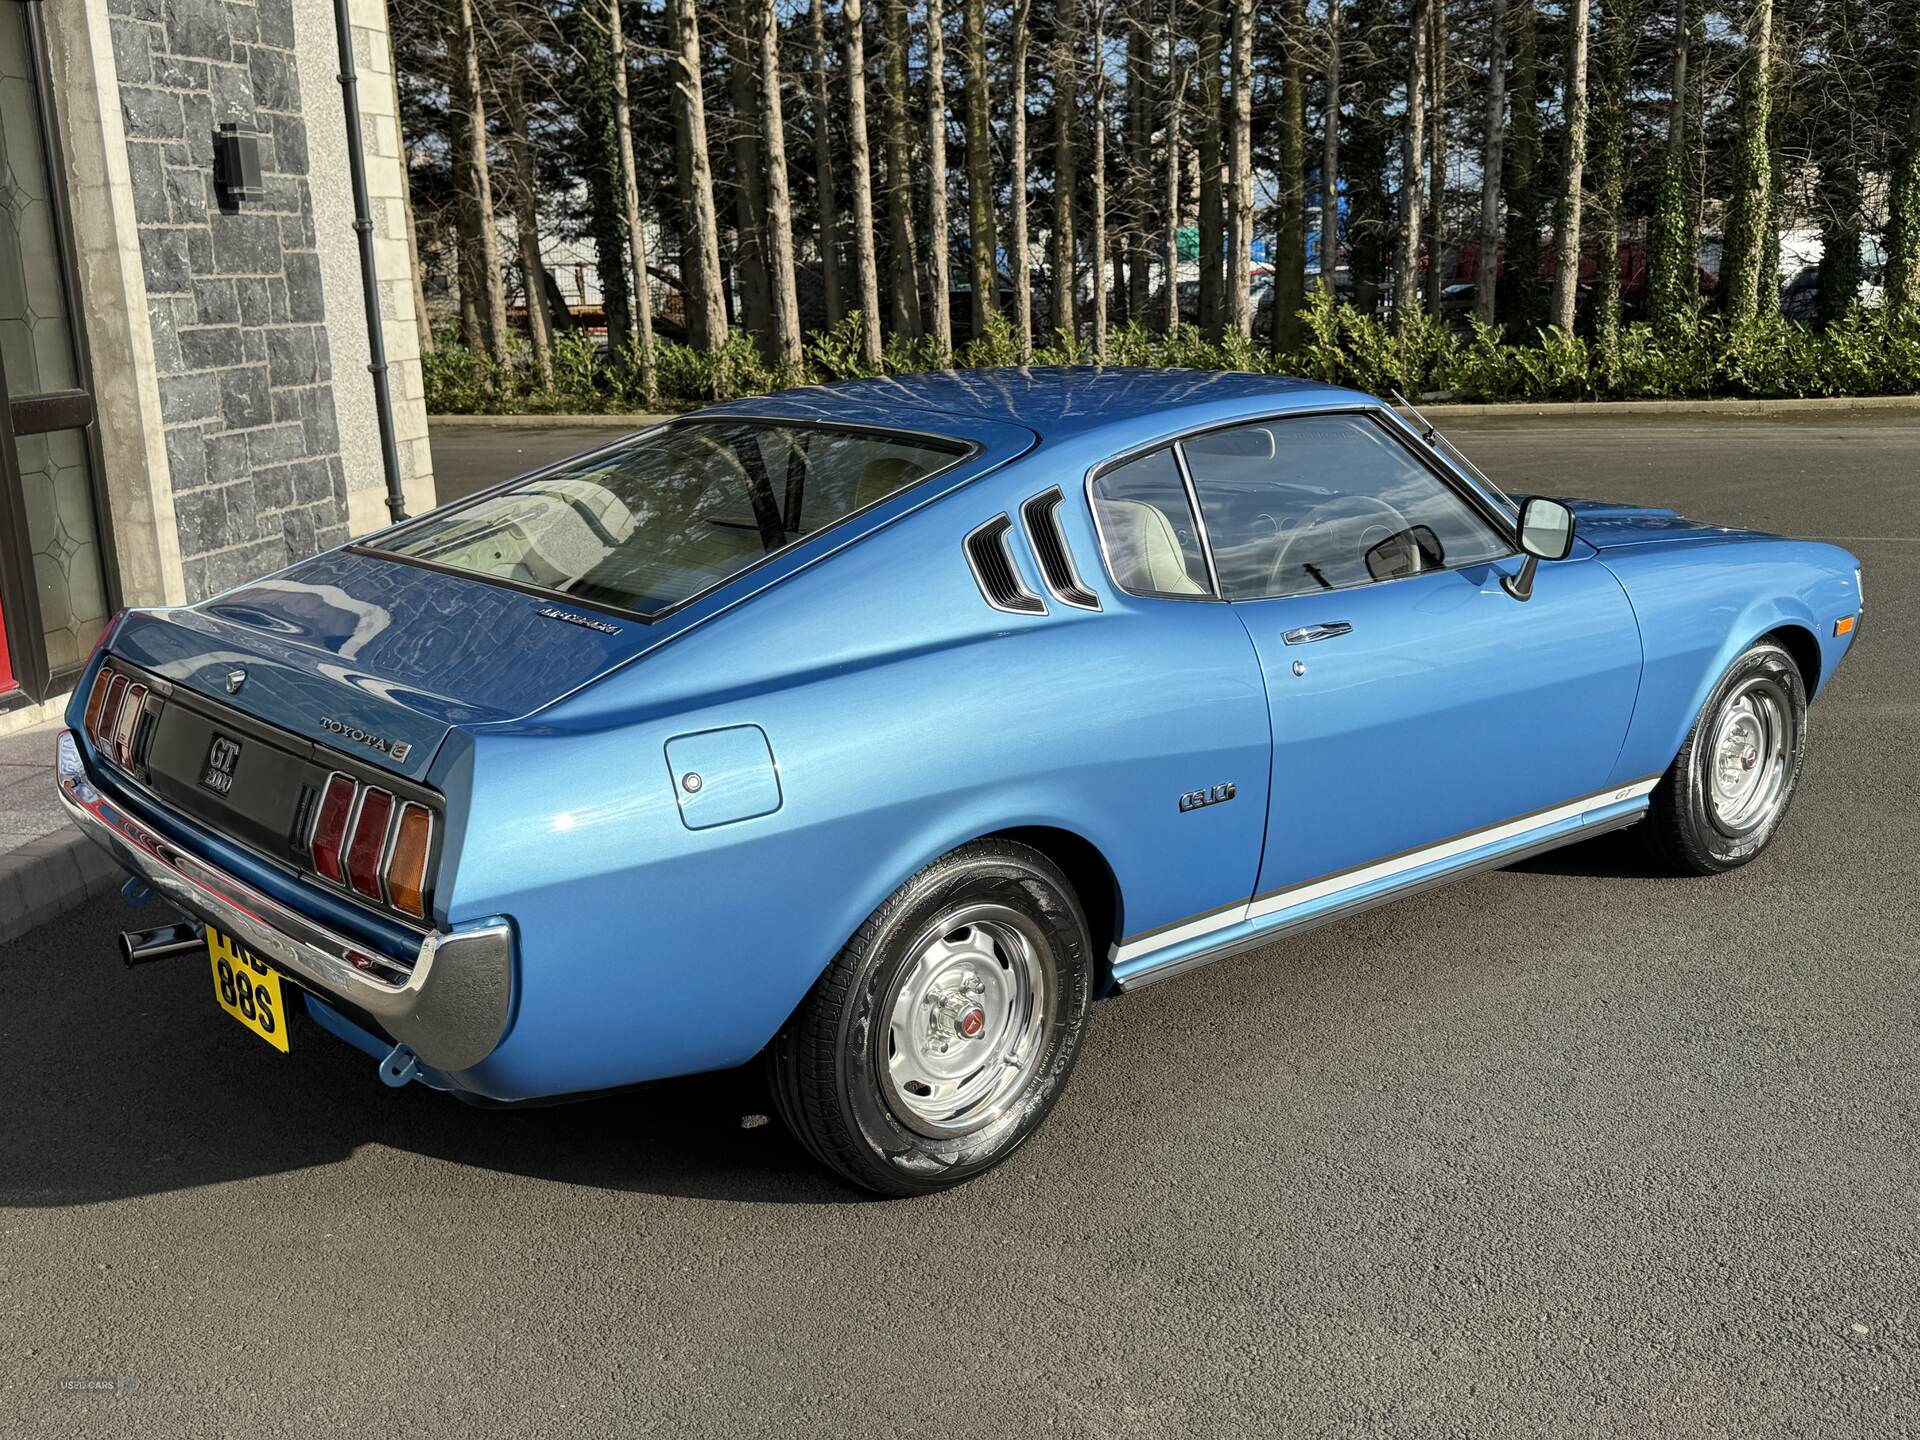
x=378, y=658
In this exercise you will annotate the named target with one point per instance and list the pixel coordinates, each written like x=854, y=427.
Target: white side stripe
x=1316, y=890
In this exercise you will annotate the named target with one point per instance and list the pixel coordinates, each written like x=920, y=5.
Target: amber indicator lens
x=129, y=717
x=407, y=870
x=330, y=828
x=1844, y=625
x=369, y=843
x=96, y=698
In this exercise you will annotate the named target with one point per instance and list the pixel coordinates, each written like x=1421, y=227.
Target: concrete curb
x=47, y=877
x=1820, y=405
x=550, y=422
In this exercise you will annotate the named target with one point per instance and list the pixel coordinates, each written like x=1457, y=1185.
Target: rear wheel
x=1723, y=798
x=946, y=1028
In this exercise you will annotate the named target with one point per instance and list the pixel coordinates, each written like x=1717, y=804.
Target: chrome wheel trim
x=967, y=1020
x=1749, y=756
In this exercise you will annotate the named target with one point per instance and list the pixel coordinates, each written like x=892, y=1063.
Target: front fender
x=1699, y=608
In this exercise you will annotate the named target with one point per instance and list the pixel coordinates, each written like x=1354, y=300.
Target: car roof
x=1056, y=403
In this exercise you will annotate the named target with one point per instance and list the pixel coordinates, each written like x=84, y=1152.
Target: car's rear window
x=649, y=524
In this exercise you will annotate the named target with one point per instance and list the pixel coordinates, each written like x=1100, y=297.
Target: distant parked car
x=878, y=728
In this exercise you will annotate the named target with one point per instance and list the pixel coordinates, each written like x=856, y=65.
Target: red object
x=369, y=843
x=330, y=828
x=7, y=682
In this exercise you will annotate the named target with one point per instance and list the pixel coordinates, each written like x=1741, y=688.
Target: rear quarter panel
x=906, y=717
x=1699, y=605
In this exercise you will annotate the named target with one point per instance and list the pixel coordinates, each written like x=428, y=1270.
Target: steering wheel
x=1341, y=507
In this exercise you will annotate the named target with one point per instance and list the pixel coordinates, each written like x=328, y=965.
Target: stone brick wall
x=235, y=299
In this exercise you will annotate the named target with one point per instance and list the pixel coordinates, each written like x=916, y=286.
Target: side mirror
x=1546, y=533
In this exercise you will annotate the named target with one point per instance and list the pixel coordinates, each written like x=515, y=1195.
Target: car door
x=1417, y=708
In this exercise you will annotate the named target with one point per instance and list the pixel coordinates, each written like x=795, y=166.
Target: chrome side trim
x=1267, y=934
x=1312, y=891
x=452, y=1009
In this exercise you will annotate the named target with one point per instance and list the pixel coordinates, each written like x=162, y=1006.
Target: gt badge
x=222, y=756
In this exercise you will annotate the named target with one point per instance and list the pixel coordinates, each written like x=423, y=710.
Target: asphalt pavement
x=1562, y=1149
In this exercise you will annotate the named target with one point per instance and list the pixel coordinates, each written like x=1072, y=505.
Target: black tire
x=832, y=1067
x=1686, y=832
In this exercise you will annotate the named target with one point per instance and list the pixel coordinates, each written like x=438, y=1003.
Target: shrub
x=1865, y=353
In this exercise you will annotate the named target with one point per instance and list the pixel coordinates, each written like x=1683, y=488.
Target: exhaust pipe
x=139, y=947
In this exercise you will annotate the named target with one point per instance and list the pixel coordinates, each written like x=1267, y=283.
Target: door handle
x=1307, y=634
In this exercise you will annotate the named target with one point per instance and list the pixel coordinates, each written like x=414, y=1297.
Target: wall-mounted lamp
x=236, y=167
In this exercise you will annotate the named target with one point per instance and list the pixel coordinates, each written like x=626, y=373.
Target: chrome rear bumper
x=452, y=1008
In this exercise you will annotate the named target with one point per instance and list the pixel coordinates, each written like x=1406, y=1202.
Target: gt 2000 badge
x=1200, y=799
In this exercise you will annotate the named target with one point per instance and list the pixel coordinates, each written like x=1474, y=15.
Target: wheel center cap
x=1750, y=759
x=973, y=1020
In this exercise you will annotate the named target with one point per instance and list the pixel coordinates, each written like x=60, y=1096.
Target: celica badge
x=574, y=617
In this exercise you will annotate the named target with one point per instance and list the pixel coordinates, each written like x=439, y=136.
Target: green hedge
x=1867, y=353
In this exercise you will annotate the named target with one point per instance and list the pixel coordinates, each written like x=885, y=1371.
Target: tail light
x=330, y=828
x=127, y=720
x=96, y=701
x=407, y=865
x=102, y=732
x=367, y=841
x=369, y=845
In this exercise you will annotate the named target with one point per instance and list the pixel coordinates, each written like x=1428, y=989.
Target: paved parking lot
x=1562, y=1149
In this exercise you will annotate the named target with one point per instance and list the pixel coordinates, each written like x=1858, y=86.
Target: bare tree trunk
x=1903, y=198
x=1566, y=239
x=1486, y=274
x=779, y=211
x=980, y=238
x=1330, y=157
x=1413, y=165
x=482, y=181
x=630, y=204
x=1066, y=169
x=1612, y=121
x=413, y=234
x=938, y=237
x=829, y=201
x=865, y=263
x=526, y=221
x=749, y=181
x=1290, y=161
x=1097, y=183
x=1437, y=157
x=1176, y=95
x=903, y=265
x=1212, y=207
x=1240, y=171
x=706, y=302
x=1139, y=168
x=1019, y=245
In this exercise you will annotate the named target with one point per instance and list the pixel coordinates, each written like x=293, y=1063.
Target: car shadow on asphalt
x=1617, y=855
x=123, y=1083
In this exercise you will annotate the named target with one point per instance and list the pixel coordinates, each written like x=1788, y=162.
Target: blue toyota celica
x=878, y=728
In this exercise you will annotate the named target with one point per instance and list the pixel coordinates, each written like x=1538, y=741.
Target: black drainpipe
x=369, y=276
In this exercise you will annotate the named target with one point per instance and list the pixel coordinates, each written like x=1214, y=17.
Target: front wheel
x=1722, y=799
x=945, y=1029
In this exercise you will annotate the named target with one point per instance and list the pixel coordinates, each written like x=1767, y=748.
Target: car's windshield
x=650, y=524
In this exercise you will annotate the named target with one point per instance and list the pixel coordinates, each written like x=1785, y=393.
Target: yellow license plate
x=248, y=989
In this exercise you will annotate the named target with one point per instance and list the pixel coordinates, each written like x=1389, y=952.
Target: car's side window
x=1148, y=530
x=1323, y=502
